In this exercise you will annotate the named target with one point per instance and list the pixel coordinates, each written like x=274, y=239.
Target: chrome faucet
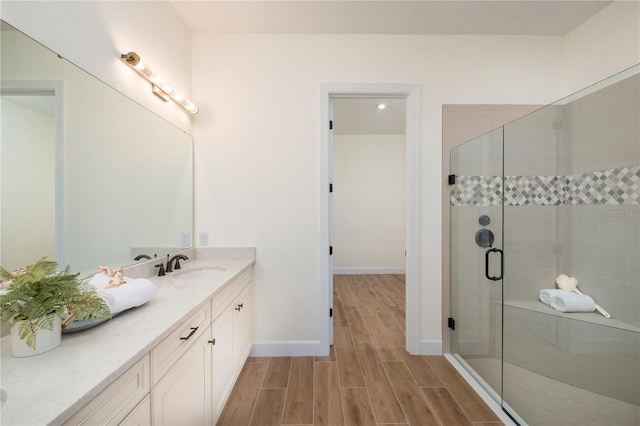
x=174, y=262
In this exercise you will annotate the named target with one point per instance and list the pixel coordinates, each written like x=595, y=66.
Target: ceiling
x=537, y=17
x=360, y=116
x=41, y=103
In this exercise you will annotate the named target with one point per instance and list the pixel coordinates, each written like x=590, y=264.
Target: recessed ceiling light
x=381, y=106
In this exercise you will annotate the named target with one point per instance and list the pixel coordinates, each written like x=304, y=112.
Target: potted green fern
x=36, y=299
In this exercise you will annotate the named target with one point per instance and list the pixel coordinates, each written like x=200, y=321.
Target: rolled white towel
x=560, y=279
x=572, y=302
x=134, y=293
x=546, y=294
x=101, y=280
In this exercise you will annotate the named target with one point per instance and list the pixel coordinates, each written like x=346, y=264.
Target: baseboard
x=287, y=348
x=431, y=347
x=364, y=271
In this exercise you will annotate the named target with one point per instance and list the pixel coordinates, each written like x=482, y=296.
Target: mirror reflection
x=88, y=176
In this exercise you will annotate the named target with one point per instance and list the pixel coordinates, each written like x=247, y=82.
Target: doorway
x=410, y=95
x=369, y=185
x=32, y=170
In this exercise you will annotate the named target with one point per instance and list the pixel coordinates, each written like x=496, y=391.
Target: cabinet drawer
x=226, y=296
x=173, y=346
x=114, y=403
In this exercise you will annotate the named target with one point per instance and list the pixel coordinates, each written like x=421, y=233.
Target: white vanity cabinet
x=141, y=415
x=187, y=378
x=232, y=331
x=117, y=401
x=222, y=370
x=183, y=395
x=242, y=330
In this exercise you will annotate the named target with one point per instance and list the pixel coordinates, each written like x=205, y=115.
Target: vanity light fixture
x=158, y=86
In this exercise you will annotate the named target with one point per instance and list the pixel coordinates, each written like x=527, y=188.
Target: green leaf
x=38, y=293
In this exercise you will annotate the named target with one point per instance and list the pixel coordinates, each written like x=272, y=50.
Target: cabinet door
x=242, y=328
x=222, y=367
x=141, y=415
x=116, y=402
x=183, y=396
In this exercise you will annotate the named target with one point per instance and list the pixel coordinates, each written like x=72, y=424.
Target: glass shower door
x=571, y=206
x=476, y=258
x=559, y=190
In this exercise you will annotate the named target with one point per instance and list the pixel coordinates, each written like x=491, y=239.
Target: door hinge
x=330, y=250
x=330, y=187
x=330, y=312
x=452, y=179
x=330, y=124
x=451, y=323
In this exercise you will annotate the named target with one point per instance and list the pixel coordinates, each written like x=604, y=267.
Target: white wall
x=606, y=44
x=257, y=137
x=369, y=203
x=257, y=146
x=93, y=34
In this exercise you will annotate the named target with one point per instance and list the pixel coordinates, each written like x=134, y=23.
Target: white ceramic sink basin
x=204, y=273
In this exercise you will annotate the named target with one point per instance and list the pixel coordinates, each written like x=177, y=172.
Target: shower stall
x=555, y=192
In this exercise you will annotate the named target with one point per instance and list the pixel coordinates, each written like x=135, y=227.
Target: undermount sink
x=203, y=273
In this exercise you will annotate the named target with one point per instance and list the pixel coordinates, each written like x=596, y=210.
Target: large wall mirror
x=88, y=176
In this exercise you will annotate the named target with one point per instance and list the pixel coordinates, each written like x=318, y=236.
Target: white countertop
x=49, y=388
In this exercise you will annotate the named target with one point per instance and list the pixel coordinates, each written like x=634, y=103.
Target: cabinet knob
x=213, y=342
x=240, y=306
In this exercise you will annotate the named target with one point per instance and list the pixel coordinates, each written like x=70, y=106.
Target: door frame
x=412, y=94
x=54, y=88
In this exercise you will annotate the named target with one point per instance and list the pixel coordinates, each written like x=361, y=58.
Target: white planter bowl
x=45, y=340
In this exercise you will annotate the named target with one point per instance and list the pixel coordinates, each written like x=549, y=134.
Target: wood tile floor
x=368, y=378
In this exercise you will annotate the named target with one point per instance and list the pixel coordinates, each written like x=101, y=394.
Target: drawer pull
x=193, y=331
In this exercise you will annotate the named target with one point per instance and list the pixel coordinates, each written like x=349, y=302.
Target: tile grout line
x=444, y=385
x=255, y=402
x=286, y=392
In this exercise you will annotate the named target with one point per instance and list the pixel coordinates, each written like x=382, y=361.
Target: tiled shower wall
x=565, y=211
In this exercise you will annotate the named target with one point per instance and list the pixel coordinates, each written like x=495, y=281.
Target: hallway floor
x=368, y=379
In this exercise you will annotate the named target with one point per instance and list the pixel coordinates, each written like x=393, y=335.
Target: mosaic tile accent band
x=533, y=191
x=477, y=191
x=611, y=187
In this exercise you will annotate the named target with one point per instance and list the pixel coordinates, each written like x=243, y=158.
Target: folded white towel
x=134, y=293
x=572, y=302
x=101, y=280
x=546, y=294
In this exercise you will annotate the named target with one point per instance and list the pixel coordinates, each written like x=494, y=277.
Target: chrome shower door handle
x=486, y=264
